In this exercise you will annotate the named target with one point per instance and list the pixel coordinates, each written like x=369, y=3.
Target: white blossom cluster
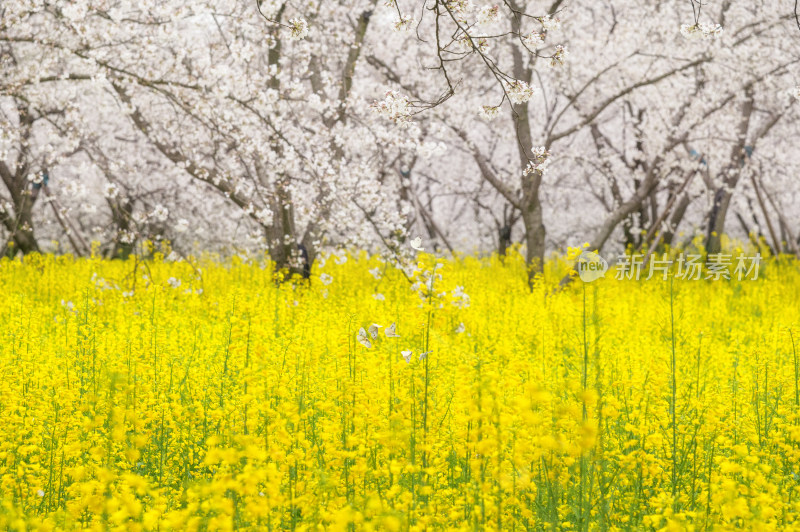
x=395, y=107
x=701, y=31
x=299, y=28
x=539, y=161
x=519, y=91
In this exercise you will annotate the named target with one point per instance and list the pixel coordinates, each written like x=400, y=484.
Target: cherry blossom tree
x=286, y=127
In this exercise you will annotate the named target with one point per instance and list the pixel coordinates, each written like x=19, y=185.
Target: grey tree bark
x=19, y=221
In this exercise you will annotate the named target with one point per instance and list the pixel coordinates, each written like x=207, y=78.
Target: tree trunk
x=530, y=204
x=121, y=214
x=20, y=224
x=675, y=219
x=534, y=237
x=723, y=193
x=281, y=239
x=503, y=240
x=716, y=220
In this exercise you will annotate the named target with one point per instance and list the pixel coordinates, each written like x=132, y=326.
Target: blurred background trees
x=279, y=127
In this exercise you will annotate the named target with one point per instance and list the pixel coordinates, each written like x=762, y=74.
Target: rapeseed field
x=202, y=395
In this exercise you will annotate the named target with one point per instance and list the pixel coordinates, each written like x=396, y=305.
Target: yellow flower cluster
x=201, y=395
